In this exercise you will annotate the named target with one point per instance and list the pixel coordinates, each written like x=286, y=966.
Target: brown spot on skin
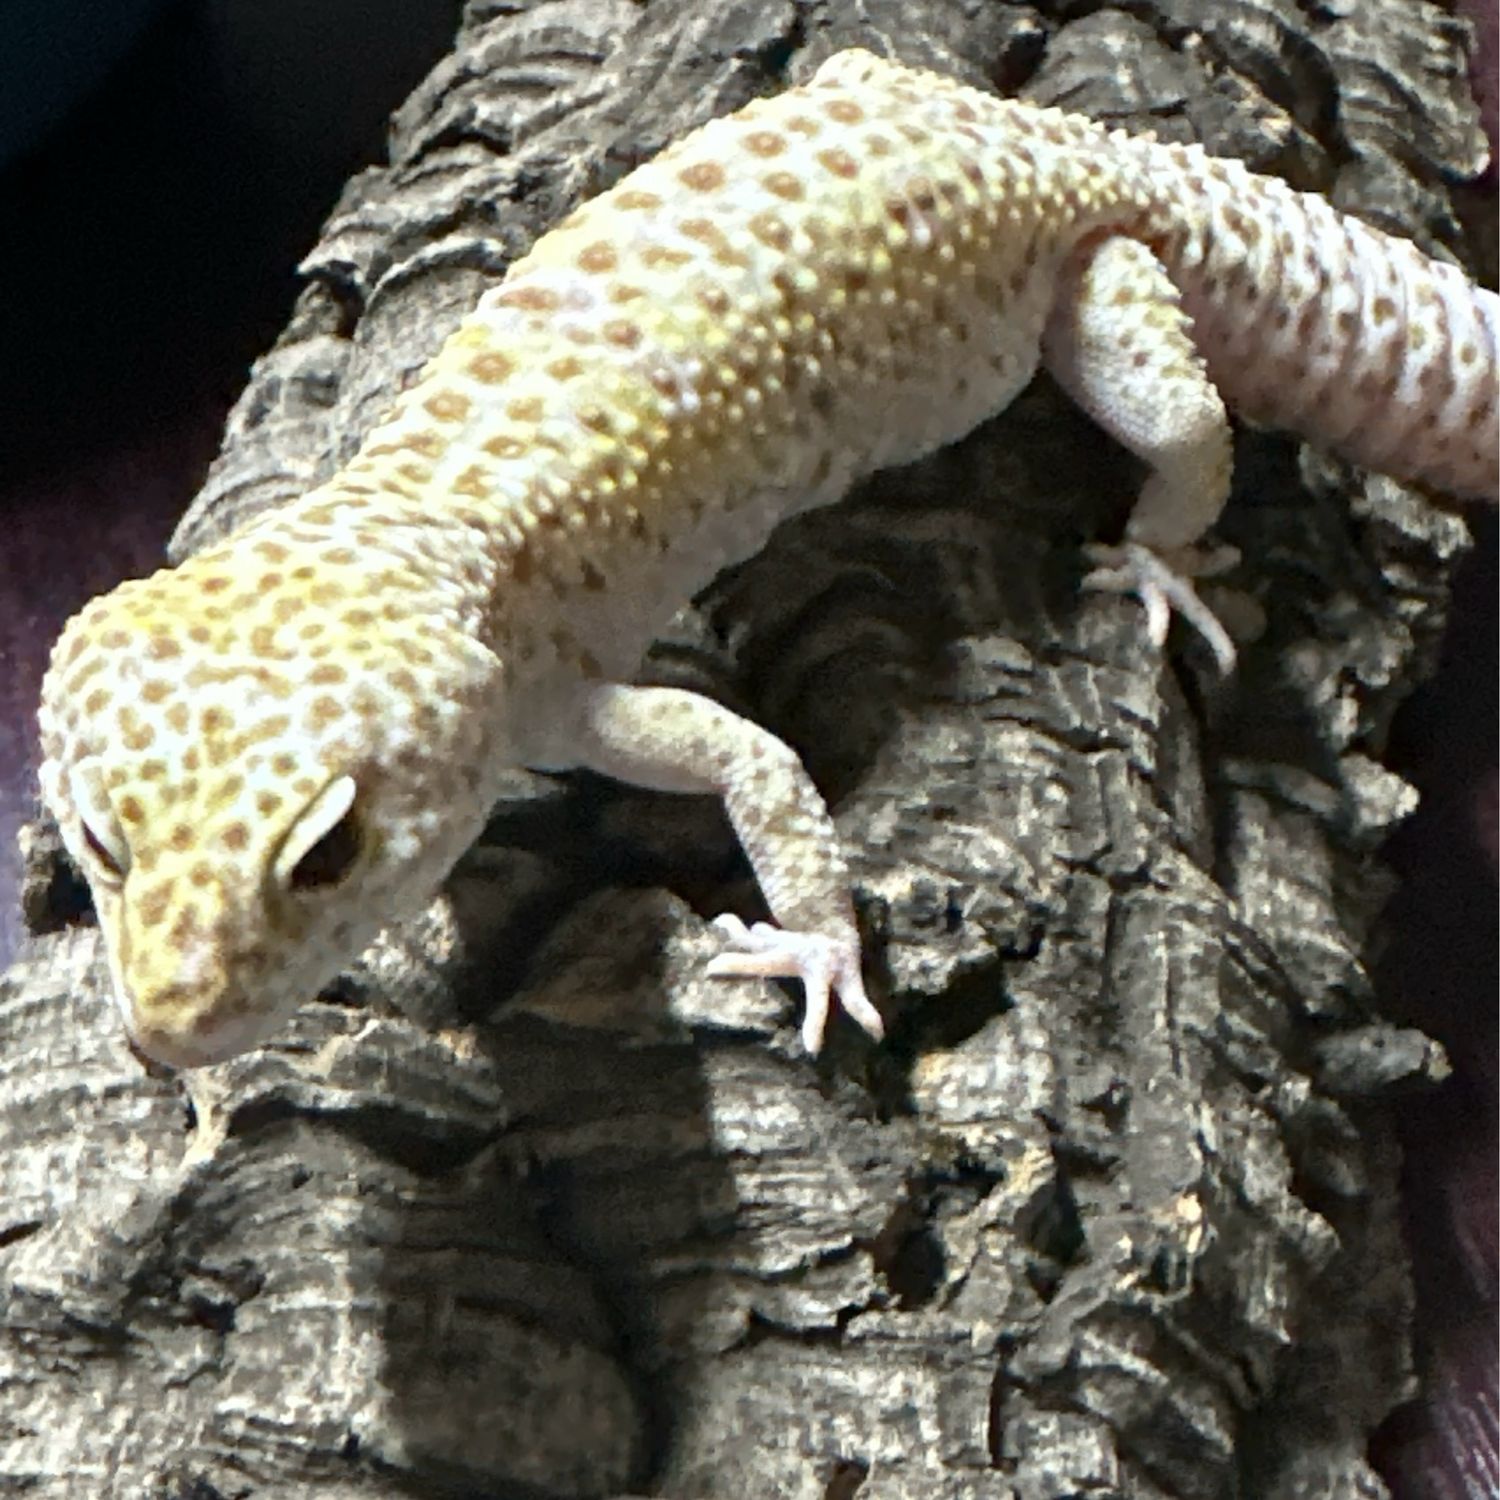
x=716, y=300
x=181, y=839
x=785, y=185
x=802, y=124
x=624, y=333
x=161, y=647
x=191, y=759
x=490, y=368
x=151, y=909
x=474, y=482
x=569, y=367
x=598, y=259
x=236, y=836
x=267, y=803
x=216, y=583
x=154, y=690
x=185, y=928
x=96, y=702
x=621, y=294
x=201, y=874
x=844, y=111
x=765, y=143
x=266, y=729
x=506, y=447
x=525, y=409
x=636, y=198
x=283, y=764
x=702, y=177
x=1382, y=310
x=657, y=257
x=178, y=718
x=530, y=298
x=447, y=406
x=323, y=711
x=130, y=810
x=839, y=162
x=328, y=674
x=263, y=641
x=770, y=230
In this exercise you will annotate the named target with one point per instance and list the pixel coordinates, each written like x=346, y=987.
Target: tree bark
x=531, y=1207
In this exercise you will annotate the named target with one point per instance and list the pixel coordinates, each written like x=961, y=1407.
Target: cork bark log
x=529, y=1207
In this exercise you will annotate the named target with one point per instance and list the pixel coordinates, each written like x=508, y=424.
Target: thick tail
x=1316, y=322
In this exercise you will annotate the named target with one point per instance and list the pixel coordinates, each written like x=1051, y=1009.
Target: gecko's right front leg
x=676, y=741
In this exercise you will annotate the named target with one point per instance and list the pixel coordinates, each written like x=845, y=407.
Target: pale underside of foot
x=826, y=966
x=1163, y=582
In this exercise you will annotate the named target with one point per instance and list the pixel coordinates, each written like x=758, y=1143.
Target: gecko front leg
x=675, y=741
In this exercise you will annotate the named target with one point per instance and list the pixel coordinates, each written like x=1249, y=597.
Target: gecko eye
x=108, y=860
x=331, y=858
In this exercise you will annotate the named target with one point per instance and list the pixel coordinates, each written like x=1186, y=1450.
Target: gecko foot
x=1163, y=582
x=825, y=965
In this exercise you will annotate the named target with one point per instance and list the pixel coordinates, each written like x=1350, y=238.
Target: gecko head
x=248, y=815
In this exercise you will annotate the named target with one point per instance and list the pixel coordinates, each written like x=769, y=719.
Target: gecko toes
x=825, y=965
x=1164, y=583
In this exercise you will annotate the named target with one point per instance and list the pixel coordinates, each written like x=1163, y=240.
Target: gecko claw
x=825, y=965
x=1165, y=584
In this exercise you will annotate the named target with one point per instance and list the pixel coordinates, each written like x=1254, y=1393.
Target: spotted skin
x=263, y=756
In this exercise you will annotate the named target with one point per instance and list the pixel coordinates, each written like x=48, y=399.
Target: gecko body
x=262, y=757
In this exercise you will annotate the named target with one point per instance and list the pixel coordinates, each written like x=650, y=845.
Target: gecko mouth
x=151, y=1066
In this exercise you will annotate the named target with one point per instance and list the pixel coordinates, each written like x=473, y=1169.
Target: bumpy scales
x=262, y=757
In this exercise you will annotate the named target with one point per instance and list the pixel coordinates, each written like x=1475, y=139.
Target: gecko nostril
x=331, y=858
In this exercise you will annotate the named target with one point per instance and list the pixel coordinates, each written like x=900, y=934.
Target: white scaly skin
x=265, y=755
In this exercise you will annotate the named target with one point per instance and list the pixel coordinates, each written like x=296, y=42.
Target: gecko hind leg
x=1118, y=341
x=1163, y=582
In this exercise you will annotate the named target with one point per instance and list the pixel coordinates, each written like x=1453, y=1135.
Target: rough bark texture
x=532, y=1209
